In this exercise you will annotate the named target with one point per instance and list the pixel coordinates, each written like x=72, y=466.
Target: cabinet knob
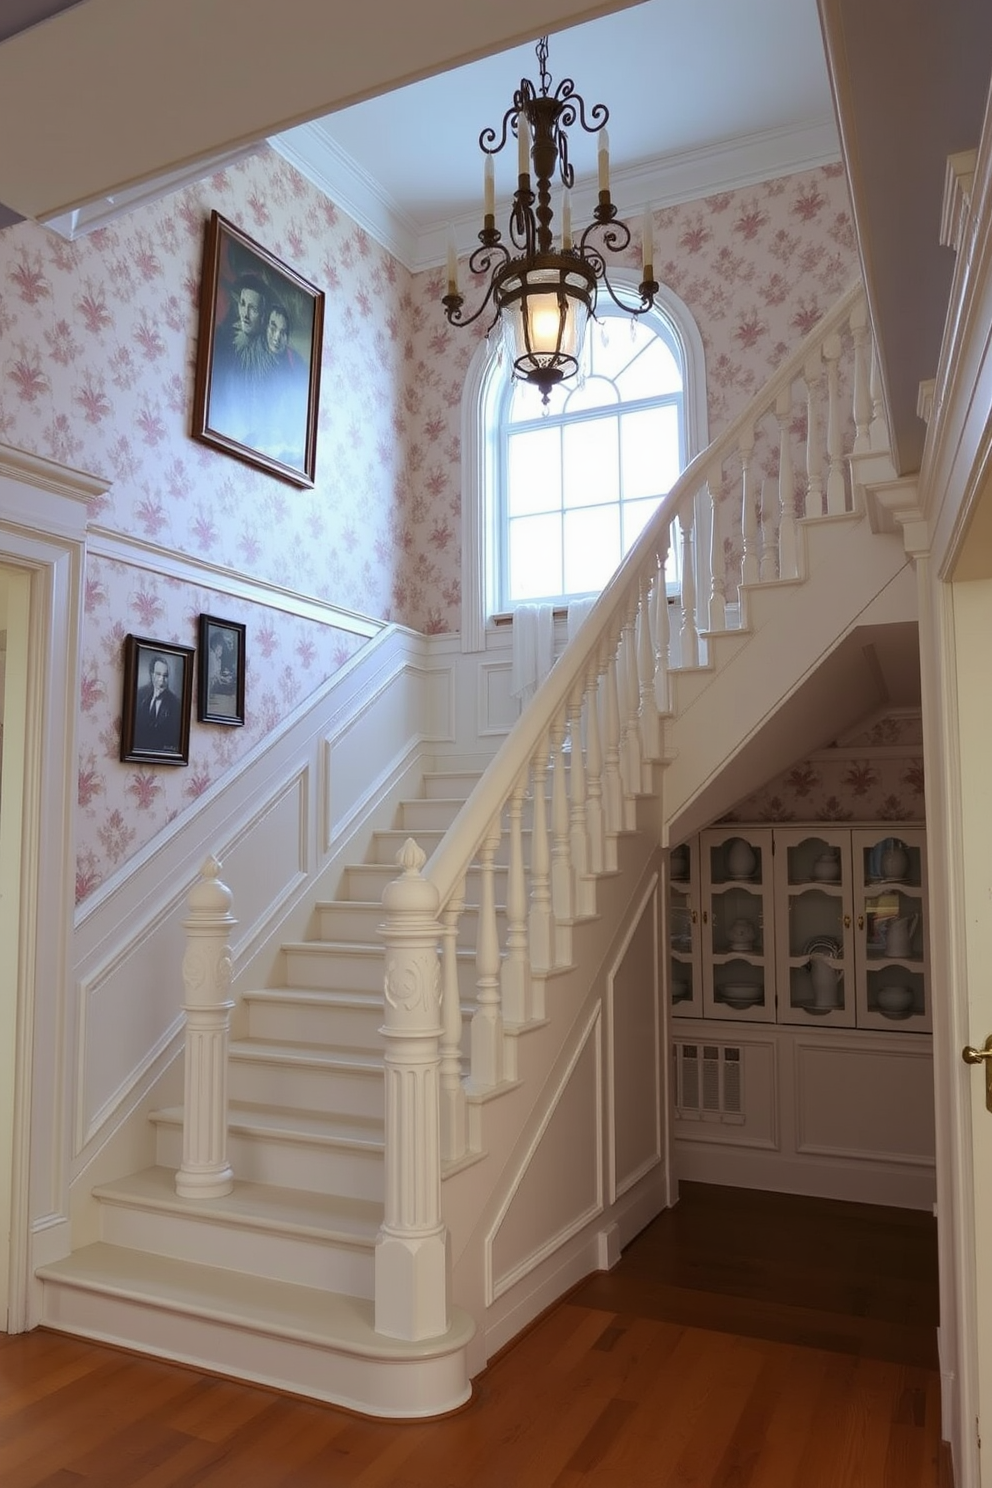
x=847, y=922
x=861, y=922
x=695, y=916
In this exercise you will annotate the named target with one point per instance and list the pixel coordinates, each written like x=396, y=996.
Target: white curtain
x=533, y=649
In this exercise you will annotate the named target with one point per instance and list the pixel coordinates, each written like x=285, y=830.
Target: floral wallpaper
x=97, y=349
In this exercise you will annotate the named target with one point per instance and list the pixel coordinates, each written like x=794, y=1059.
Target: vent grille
x=709, y=1082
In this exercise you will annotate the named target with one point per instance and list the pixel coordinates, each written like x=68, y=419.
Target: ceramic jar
x=741, y=858
x=895, y=861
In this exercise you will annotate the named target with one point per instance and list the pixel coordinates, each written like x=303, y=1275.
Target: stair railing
x=590, y=739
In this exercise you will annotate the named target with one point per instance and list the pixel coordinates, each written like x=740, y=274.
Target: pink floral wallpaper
x=97, y=348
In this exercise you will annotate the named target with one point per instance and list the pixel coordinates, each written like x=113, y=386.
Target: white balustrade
x=562, y=882
x=487, y=1020
x=595, y=810
x=648, y=722
x=578, y=831
x=411, y=1280
x=454, y=1105
x=788, y=559
x=205, y=1171
x=515, y=971
x=542, y=937
x=813, y=377
x=836, y=488
x=749, y=513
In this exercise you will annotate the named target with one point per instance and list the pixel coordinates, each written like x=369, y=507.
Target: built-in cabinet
x=798, y=976
x=817, y=925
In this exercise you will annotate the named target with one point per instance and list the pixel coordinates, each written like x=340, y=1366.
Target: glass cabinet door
x=814, y=952
x=890, y=910
x=738, y=954
x=684, y=982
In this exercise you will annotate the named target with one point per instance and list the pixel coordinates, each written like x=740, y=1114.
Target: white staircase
x=541, y=867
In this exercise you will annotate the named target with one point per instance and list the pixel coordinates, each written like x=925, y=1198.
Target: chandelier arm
x=453, y=305
x=597, y=118
x=615, y=234
x=647, y=292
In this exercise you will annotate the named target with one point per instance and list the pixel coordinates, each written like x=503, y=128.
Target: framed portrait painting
x=257, y=381
x=158, y=701
x=221, y=671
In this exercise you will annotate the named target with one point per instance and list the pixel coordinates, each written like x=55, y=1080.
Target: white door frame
x=42, y=534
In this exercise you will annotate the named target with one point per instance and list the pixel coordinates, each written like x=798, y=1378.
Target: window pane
x=525, y=402
x=591, y=462
x=533, y=482
x=592, y=548
x=636, y=515
x=613, y=344
x=649, y=442
x=535, y=558
x=595, y=392
x=654, y=372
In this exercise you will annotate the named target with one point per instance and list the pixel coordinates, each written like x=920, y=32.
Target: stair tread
x=277, y=1121
x=314, y=1056
x=260, y=1205
x=318, y=996
x=257, y=1304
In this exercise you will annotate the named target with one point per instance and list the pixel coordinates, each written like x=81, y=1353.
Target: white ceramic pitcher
x=899, y=935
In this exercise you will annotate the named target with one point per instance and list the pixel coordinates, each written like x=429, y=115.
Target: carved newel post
x=205, y=1171
x=411, y=1259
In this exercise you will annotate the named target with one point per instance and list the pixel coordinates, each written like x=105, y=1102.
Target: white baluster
x=542, y=939
x=595, y=813
x=515, y=971
x=562, y=885
x=689, y=639
x=612, y=784
x=768, y=570
x=585, y=883
x=647, y=712
x=836, y=489
x=662, y=629
x=862, y=383
x=487, y=1020
x=630, y=767
x=749, y=517
x=205, y=1172
x=813, y=376
x=411, y=1297
x=788, y=561
x=454, y=1107
x=879, y=429
x=718, y=603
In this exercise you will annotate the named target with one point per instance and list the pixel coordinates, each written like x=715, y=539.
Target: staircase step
x=287, y=1234
x=386, y=844
x=306, y=1076
x=365, y=882
x=303, y=1015
x=450, y=784
x=428, y=813
x=343, y=920
x=314, y=1342
x=355, y=966
x=291, y=1149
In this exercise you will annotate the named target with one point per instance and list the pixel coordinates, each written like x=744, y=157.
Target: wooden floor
x=745, y=1340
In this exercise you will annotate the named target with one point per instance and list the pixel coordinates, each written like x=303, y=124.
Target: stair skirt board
x=287, y=1337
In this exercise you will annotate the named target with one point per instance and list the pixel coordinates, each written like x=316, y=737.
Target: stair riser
x=341, y=921
x=385, y=846
x=328, y=1024
x=319, y=1262
x=450, y=785
x=290, y=1163
x=366, y=882
x=306, y=1088
x=334, y=968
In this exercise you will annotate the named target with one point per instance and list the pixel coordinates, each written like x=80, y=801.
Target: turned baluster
x=630, y=771
x=487, y=1020
x=769, y=546
x=689, y=636
x=813, y=377
x=578, y=832
x=836, y=490
x=542, y=940
x=411, y=1250
x=718, y=604
x=878, y=430
x=454, y=1107
x=647, y=712
x=562, y=885
x=662, y=628
x=205, y=1172
x=612, y=784
x=515, y=971
x=788, y=558
x=749, y=518
x=595, y=814
x=862, y=382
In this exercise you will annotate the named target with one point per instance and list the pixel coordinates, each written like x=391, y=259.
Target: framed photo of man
x=257, y=386
x=158, y=701
x=221, y=671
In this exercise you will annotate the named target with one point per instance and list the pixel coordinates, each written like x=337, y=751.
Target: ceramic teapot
x=824, y=978
x=899, y=935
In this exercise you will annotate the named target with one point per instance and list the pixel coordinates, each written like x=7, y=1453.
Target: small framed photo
x=257, y=384
x=221, y=671
x=158, y=701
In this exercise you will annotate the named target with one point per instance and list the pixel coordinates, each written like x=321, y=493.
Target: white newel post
x=205, y=1172
x=411, y=1261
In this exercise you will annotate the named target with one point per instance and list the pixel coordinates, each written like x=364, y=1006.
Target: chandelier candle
x=541, y=295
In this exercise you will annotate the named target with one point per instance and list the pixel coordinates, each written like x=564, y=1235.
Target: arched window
x=554, y=496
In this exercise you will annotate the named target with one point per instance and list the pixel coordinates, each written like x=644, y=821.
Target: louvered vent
x=709, y=1082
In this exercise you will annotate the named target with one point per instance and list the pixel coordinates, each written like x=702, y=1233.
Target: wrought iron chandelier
x=545, y=293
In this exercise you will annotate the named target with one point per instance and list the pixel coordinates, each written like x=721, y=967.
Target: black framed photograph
x=257, y=383
x=221, y=671
x=158, y=701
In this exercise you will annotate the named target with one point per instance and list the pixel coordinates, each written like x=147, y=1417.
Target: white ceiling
x=703, y=95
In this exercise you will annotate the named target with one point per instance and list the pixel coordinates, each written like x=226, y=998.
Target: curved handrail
x=459, y=846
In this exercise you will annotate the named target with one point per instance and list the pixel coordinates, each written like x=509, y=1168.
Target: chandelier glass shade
x=543, y=288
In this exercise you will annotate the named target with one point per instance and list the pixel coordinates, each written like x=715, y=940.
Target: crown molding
x=667, y=181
